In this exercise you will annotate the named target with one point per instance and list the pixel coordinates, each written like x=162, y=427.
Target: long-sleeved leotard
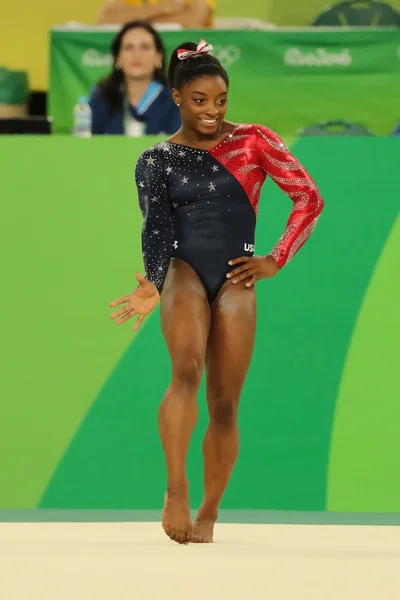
x=201, y=205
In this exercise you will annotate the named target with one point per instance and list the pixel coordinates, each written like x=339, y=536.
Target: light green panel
x=59, y=225
x=365, y=451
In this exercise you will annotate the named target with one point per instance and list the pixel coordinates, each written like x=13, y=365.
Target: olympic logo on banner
x=227, y=55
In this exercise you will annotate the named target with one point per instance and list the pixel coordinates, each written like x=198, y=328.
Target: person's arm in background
x=197, y=13
x=120, y=12
x=396, y=131
x=96, y=106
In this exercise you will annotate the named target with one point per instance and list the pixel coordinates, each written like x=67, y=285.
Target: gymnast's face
x=203, y=104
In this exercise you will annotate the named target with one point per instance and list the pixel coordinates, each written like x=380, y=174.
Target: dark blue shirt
x=161, y=116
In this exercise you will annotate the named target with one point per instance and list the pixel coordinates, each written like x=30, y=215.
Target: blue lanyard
x=151, y=94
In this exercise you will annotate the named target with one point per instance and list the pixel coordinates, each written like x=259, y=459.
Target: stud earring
x=177, y=104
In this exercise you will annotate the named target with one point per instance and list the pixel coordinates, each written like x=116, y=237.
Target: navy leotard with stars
x=201, y=205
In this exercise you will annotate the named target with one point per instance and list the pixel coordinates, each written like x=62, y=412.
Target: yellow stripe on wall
x=24, y=32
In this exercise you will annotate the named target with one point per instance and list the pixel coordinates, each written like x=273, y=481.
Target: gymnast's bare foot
x=176, y=518
x=203, y=527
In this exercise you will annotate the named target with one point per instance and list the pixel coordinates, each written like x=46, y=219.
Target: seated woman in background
x=135, y=99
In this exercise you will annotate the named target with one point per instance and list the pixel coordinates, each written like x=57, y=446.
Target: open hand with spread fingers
x=140, y=302
x=252, y=268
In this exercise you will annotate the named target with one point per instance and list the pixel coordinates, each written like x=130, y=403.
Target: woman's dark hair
x=111, y=87
x=181, y=72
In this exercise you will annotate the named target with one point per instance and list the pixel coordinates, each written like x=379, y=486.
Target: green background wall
x=277, y=87
x=281, y=12
x=79, y=397
x=291, y=12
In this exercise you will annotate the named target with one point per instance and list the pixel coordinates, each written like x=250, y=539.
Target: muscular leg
x=229, y=353
x=185, y=322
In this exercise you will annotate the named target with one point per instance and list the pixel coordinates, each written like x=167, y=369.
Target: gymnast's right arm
x=156, y=241
x=154, y=204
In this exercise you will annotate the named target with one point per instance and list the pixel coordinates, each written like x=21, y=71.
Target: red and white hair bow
x=202, y=48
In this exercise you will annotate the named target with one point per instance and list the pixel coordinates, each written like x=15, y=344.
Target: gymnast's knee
x=186, y=374
x=224, y=410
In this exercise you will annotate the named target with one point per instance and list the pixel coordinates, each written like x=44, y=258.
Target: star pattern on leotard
x=173, y=183
x=164, y=146
x=164, y=170
x=152, y=190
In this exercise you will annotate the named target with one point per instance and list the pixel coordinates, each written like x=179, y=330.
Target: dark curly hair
x=181, y=72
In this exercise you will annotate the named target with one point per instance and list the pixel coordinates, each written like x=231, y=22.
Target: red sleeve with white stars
x=293, y=179
x=154, y=204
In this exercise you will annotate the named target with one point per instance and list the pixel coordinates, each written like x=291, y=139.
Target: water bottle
x=82, y=119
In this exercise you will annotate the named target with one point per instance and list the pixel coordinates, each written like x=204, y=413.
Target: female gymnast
x=198, y=193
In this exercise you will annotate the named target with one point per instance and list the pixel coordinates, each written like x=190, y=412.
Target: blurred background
x=79, y=101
